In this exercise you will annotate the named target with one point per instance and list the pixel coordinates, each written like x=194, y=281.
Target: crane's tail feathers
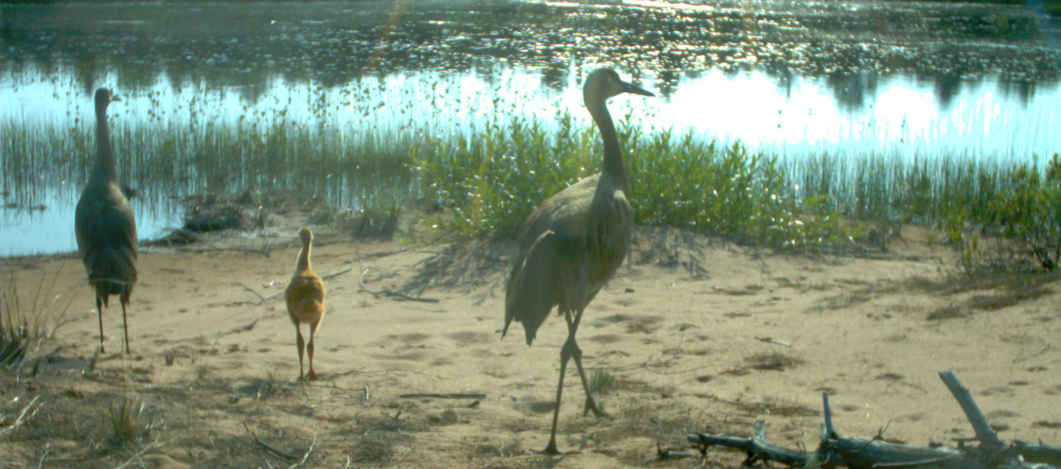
x=311, y=306
x=106, y=287
x=111, y=271
x=534, y=286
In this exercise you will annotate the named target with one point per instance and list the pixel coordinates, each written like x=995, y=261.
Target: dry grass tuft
x=773, y=361
x=24, y=322
x=128, y=422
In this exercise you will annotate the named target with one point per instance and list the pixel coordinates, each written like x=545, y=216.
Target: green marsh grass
x=374, y=146
x=494, y=180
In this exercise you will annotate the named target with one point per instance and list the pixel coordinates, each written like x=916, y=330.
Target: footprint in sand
x=644, y=324
x=911, y=417
x=411, y=338
x=1000, y=414
x=538, y=407
x=609, y=320
x=417, y=355
x=441, y=362
x=997, y=390
x=466, y=338
x=605, y=338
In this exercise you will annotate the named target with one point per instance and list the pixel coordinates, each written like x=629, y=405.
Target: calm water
x=792, y=78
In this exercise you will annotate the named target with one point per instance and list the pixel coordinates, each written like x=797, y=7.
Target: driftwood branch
x=1039, y=454
x=835, y=450
x=756, y=447
x=984, y=432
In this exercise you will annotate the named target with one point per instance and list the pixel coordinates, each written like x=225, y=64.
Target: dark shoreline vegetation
x=487, y=182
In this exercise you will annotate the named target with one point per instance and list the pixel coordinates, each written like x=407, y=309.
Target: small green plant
x=202, y=372
x=600, y=382
x=378, y=219
x=170, y=357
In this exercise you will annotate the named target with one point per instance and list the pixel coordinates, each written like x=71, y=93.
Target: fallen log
x=835, y=450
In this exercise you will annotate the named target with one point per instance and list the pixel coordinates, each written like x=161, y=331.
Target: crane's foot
x=550, y=449
x=311, y=376
x=591, y=406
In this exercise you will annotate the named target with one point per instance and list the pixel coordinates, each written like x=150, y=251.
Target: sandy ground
x=698, y=334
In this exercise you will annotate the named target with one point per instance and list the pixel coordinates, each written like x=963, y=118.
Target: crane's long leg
x=565, y=355
x=309, y=349
x=301, y=344
x=576, y=353
x=99, y=314
x=125, y=325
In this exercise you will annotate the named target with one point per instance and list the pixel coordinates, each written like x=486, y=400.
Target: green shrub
x=1019, y=227
x=493, y=180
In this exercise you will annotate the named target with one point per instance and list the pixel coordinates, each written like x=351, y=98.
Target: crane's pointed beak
x=630, y=88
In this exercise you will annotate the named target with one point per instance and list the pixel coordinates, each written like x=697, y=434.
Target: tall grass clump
x=1018, y=228
x=692, y=182
x=894, y=188
x=129, y=422
x=29, y=318
x=206, y=146
x=997, y=214
x=493, y=180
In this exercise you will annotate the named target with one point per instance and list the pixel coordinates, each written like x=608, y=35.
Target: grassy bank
x=493, y=181
x=490, y=178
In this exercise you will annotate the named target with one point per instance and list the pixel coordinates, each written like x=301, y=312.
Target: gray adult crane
x=105, y=226
x=573, y=243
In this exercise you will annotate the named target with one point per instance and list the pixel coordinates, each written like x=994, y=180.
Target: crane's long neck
x=104, y=169
x=302, y=263
x=613, y=155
